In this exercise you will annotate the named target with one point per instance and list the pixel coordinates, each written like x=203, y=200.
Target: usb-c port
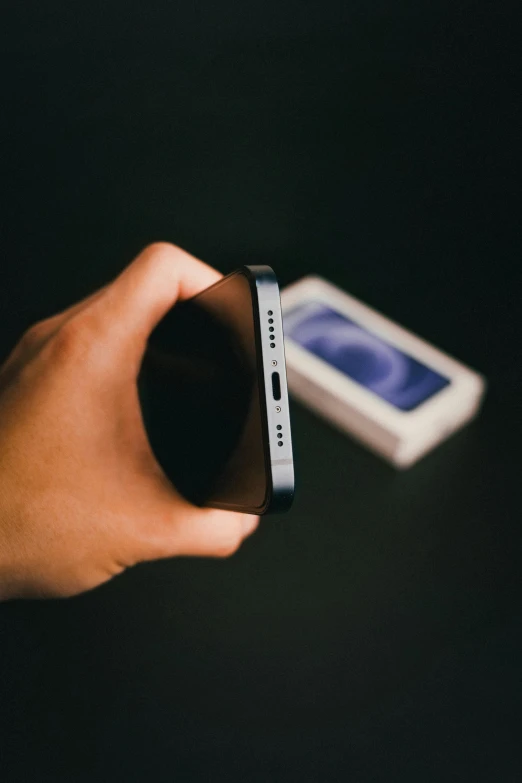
x=276, y=386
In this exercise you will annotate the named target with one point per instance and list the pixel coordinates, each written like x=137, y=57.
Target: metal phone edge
x=280, y=466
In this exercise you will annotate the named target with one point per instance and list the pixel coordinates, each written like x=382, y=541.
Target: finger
x=148, y=288
x=203, y=533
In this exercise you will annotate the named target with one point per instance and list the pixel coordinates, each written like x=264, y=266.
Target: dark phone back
x=203, y=398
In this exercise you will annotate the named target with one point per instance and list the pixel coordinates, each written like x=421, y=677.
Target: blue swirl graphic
x=378, y=366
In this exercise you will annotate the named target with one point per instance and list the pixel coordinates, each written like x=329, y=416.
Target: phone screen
x=363, y=356
x=201, y=398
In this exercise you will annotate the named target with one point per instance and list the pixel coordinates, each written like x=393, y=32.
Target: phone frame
x=279, y=464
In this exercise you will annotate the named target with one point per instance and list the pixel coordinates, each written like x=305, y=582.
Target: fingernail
x=249, y=524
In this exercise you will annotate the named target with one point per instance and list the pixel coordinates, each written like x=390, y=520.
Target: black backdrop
x=373, y=634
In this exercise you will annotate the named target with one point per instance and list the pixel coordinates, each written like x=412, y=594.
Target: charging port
x=276, y=386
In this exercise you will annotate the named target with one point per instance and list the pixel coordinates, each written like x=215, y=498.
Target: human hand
x=81, y=494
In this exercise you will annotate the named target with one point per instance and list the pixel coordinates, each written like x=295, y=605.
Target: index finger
x=143, y=293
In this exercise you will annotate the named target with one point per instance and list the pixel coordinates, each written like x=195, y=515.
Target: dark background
x=374, y=633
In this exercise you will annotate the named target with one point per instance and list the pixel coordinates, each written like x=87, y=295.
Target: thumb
x=203, y=532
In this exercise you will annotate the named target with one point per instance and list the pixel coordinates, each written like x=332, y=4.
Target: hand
x=81, y=494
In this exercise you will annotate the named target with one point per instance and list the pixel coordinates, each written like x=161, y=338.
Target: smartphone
x=214, y=396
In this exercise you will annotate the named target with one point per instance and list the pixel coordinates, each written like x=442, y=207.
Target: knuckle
x=160, y=255
x=76, y=338
x=67, y=341
x=156, y=249
x=35, y=333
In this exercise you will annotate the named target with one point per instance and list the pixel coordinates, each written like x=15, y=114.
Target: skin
x=81, y=495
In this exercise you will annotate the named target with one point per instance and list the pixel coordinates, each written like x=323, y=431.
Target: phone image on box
x=382, y=384
x=214, y=396
x=372, y=361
